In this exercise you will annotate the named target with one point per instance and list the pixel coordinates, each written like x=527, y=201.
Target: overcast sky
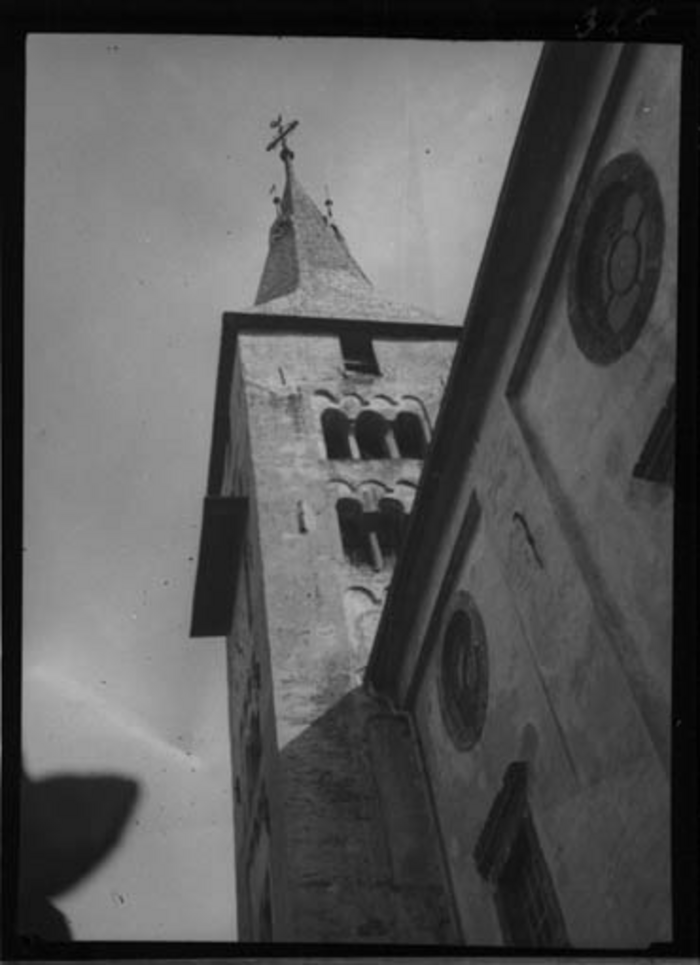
x=147, y=211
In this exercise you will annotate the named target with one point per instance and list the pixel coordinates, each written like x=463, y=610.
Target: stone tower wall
x=316, y=613
x=260, y=851
x=289, y=381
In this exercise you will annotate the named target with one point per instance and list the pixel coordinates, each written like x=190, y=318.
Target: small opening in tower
x=371, y=433
x=391, y=523
x=358, y=353
x=353, y=532
x=336, y=434
x=410, y=435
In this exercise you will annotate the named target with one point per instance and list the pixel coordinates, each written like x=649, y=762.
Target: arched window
x=336, y=431
x=371, y=431
x=391, y=523
x=353, y=532
x=508, y=855
x=410, y=435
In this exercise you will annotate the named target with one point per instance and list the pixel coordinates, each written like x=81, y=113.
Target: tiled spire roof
x=305, y=247
x=309, y=269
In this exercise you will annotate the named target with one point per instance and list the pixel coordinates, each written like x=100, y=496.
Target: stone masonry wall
x=260, y=847
x=341, y=882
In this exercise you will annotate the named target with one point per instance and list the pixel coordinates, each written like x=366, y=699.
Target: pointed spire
x=309, y=268
x=307, y=251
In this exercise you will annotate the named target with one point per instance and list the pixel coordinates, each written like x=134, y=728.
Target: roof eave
x=567, y=72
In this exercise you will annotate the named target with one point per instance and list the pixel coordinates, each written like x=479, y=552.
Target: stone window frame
x=509, y=857
x=415, y=427
x=338, y=437
x=358, y=548
x=357, y=350
x=463, y=676
x=374, y=436
x=391, y=523
x=343, y=432
x=371, y=535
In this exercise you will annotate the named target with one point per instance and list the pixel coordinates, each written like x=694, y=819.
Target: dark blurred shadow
x=68, y=825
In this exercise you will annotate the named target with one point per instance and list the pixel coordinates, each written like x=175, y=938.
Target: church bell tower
x=326, y=396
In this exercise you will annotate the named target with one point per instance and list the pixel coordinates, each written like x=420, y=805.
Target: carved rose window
x=464, y=674
x=616, y=264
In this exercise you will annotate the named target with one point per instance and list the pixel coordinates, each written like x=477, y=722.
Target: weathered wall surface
x=362, y=857
x=589, y=422
x=260, y=850
x=570, y=566
x=320, y=612
x=289, y=381
x=557, y=699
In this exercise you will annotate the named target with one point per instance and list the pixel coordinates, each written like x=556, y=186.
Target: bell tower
x=325, y=400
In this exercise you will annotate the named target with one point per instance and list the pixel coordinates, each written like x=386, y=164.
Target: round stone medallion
x=463, y=679
x=616, y=259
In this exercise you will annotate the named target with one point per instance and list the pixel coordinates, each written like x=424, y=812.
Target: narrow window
x=353, y=532
x=656, y=463
x=410, y=436
x=371, y=432
x=508, y=854
x=302, y=525
x=358, y=354
x=336, y=431
x=390, y=525
x=525, y=895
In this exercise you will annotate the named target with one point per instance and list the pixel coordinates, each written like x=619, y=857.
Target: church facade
x=535, y=661
x=484, y=758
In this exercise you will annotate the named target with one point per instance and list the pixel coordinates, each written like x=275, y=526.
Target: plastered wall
x=570, y=564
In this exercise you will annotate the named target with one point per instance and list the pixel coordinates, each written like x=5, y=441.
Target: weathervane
x=283, y=133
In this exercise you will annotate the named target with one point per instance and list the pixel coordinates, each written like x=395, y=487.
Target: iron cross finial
x=283, y=131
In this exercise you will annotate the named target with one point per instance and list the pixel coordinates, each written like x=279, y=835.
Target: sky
x=148, y=204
